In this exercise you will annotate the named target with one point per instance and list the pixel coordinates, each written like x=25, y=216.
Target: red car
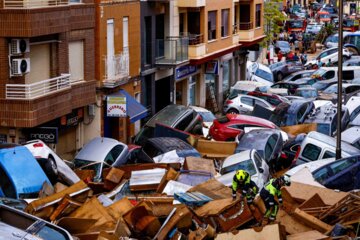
x=228, y=127
x=273, y=99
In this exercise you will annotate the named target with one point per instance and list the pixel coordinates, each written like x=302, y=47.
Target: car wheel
x=51, y=169
x=232, y=111
x=279, y=76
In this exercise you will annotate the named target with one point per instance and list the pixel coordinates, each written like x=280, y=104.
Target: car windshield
x=296, y=24
x=167, y=116
x=308, y=93
x=320, y=85
x=247, y=165
x=331, y=89
x=81, y=164
x=207, y=116
x=265, y=75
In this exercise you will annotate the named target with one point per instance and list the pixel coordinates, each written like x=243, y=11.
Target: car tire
x=279, y=76
x=51, y=169
x=232, y=111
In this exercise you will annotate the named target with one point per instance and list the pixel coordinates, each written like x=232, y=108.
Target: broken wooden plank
x=76, y=225
x=312, y=221
x=215, y=149
x=292, y=226
x=170, y=174
x=203, y=164
x=310, y=235
x=213, y=189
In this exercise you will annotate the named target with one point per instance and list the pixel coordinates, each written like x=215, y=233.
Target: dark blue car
x=343, y=174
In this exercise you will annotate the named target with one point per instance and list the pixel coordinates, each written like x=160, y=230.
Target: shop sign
x=45, y=134
x=184, y=71
x=116, y=107
x=212, y=67
x=3, y=138
x=73, y=118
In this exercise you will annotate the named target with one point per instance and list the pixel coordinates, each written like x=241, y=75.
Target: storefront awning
x=135, y=110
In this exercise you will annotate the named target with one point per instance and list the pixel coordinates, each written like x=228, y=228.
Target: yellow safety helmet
x=241, y=175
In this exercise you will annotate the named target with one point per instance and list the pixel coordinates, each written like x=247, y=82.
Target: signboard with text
x=184, y=71
x=45, y=134
x=116, y=107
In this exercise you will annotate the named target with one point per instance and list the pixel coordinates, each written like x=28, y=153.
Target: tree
x=273, y=20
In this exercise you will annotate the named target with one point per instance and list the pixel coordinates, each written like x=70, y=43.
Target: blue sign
x=184, y=71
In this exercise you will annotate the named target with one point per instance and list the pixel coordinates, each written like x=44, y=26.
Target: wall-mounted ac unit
x=19, y=46
x=20, y=66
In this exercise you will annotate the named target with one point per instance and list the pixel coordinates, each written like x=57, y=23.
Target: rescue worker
x=268, y=193
x=242, y=181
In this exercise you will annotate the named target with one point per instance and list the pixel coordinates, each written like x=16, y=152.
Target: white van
x=317, y=146
x=259, y=73
x=331, y=73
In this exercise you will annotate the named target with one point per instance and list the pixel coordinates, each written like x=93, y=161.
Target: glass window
x=212, y=25
x=311, y=152
x=258, y=160
x=321, y=175
x=341, y=165
x=6, y=186
x=225, y=22
x=258, y=102
x=192, y=91
x=113, y=154
x=247, y=165
x=185, y=122
x=226, y=76
x=329, y=75
x=247, y=101
x=329, y=154
x=258, y=15
x=301, y=112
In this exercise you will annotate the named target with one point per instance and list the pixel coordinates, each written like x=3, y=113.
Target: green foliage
x=324, y=33
x=273, y=19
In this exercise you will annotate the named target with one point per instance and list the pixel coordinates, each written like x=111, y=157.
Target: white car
x=331, y=53
x=244, y=104
x=248, y=160
x=55, y=165
x=207, y=117
x=259, y=73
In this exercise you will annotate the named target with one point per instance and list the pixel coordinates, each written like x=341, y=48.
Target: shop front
x=187, y=89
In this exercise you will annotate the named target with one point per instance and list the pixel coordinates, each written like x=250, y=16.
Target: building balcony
x=197, y=46
x=29, y=105
x=247, y=32
x=116, y=70
x=172, y=50
x=192, y=3
x=38, y=89
x=19, y=4
x=236, y=34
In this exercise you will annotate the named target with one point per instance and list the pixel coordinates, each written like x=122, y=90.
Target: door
x=110, y=66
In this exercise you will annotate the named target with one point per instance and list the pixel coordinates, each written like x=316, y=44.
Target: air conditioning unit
x=19, y=46
x=20, y=66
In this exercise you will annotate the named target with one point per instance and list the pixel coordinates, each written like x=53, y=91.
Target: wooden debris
x=170, y=174
x=113, y=178
x=215, y=149
x=310, y=235
x=203, y=164
x=292, y=225
x=269, y=232
x=312, y=221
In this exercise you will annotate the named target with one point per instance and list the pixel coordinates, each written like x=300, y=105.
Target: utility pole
x=339, y=94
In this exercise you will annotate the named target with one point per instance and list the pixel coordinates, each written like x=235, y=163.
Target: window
x=258, y=102
x=329, y=154
x=76, y=60
x=225, y=22
x=185, y=122
x=311, y=152
x=247, y=101
x=226, y=77
x=148, y=42
x=301, y=112
x=329, y=75
x=270, y=145
x=321, y=175
x=258, y=15
x=212, y=25
x=339, y=166
x=247, y=165
x=113, y=154
x=348, y=75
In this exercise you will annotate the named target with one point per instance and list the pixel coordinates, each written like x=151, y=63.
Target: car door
x=260, y=163
x=248, y=103
x=341, y=176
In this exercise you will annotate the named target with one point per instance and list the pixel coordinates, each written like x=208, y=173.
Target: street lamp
x=339, y=94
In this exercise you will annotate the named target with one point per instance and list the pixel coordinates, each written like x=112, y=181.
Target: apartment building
x=192, y=51
x=47, y=76
x=117, y=67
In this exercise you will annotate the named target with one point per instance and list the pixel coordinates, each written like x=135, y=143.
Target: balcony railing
x=246, y=25
x=116, y=69
x=35, y=3
x=235, y=29
x=38, y=89
x=172, y=50
x=194, y=39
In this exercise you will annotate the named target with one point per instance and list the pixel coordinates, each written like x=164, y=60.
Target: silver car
x=101, y=153
x=244, y=104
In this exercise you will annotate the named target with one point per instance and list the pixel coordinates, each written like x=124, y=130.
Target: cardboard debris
x=269, y=232
x=213, y=189
x=146, y=179
x=76, y=225
x=301, y=192
x=215, y=149
x=119, y=208
x=310, y=235
x=300, y=128
x=199, y=164
x=311, y=221
x=170, y=174
x=113, y=178
x=292, y=225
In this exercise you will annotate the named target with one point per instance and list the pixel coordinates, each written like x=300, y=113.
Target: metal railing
x=246, y=25
x=235, y=29
x=36, y=3
x=38, y=89
x=117, y=67
x=172, y=49
x=194, y=39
